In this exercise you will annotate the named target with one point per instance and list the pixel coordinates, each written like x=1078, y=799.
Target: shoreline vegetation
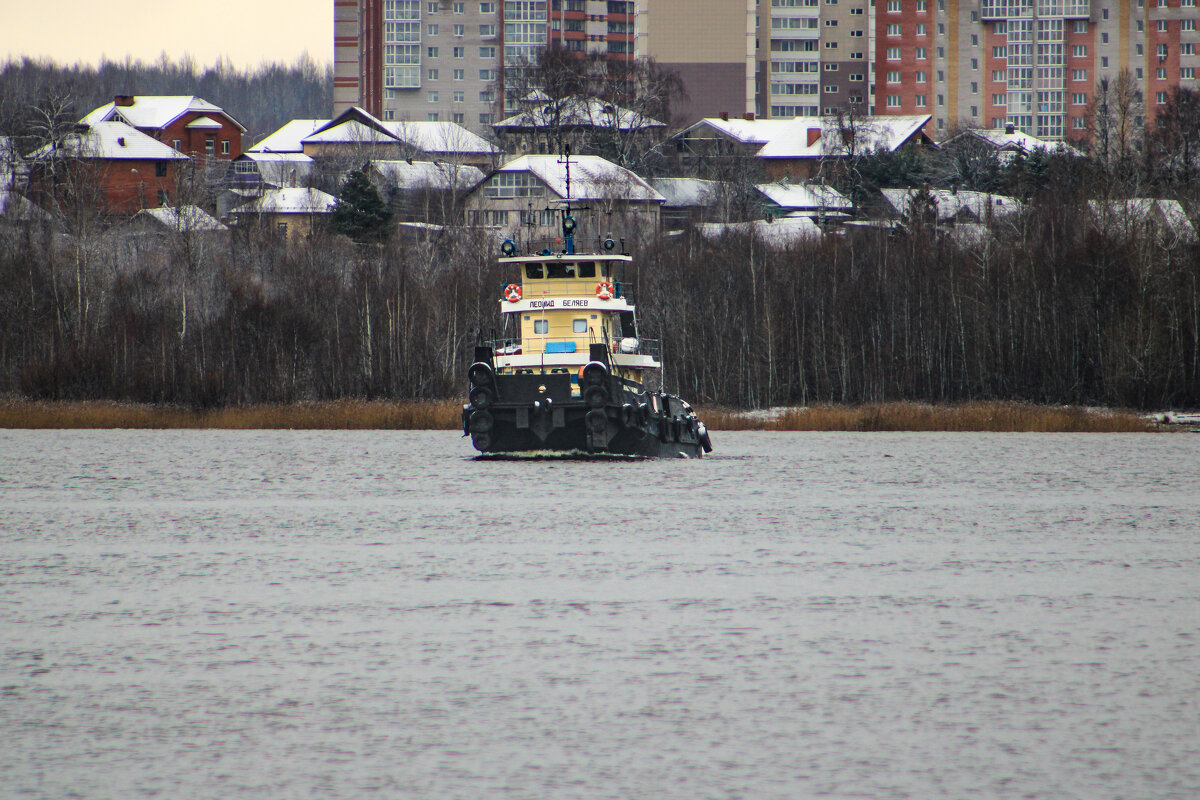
x=445, y=415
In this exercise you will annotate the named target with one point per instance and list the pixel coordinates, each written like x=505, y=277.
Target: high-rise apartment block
x=1034, y=64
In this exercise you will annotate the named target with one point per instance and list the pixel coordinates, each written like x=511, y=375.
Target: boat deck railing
x=537, y=345
x=571, y=287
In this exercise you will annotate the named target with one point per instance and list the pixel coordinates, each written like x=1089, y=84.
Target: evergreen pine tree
x=361, y=213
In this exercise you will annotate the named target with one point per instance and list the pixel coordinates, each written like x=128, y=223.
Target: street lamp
x=141, y=190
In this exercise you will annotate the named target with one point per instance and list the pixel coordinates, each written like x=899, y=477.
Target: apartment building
x=1034, y=64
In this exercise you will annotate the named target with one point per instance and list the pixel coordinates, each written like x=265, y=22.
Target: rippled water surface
x=342, y=615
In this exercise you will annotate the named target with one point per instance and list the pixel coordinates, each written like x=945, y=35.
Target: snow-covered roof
x=427, y=174
x=280, y=169
x=950, y=204
x=206, y=123
x=779, y=233
x=439, y=137
x=154, y=111
x=578, y=112
x=686, y=192
x=592, y=177
x=1002, y=139
x=290, y=201
x=349, y=132
x=813, y=137
x=356, y=126
x=184, y=218
x=749, y=131
x=112, y=140
x=288, y=138
x=879, y=133
x=804, y=196
x=1168, y=213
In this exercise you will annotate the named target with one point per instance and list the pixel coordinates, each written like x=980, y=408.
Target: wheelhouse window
x=560, y=270
x=533, y=271
x=586, y=269
x=541, y=326
x=579, y=325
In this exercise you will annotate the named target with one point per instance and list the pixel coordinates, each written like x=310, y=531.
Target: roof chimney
x=813, y=135
x=725, y=116
x=748, y=116
x=123, y=100
x=1010, y=128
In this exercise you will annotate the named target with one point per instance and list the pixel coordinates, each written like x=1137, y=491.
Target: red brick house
x=106, y=166
x=191, y=125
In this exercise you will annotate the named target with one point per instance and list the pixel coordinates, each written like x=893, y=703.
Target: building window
x=1079, y=26
x=432, y=52
x=922, y=54
x=459, y=118
x=458, y=97
x=459, y=74
x=1104, y=62
x=893, y=76
x=893, y=30
x=921, y=75
x=1161, y=73
x=921, y=101
x=829, y=89
x=1162, y=51
x=460, y=52
x=224, y=147
x=1187, y=73
x=431, y=29
x=1079, y=123
x=893, y=101
x=1162, y=26
x=160, y=169
x=1078, y=98
x=893, y=6
x=487, y=31
x=1000, y=51
x=432, y=74
x=1000, y=99
x=1160, y=98
x=459, y=8
x=1185, y=49
x=1079, y=75
x=485, y=118
x=487, y=52
x=210, y=147
x=487, y=8
x=432, y=116
x=433, y=97
x=1187, y=24
x=164, y=198
x=1079, y=51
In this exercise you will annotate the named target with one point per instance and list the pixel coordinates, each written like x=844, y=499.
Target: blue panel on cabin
x=560, y=347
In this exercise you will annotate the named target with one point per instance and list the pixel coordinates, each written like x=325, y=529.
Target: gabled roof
x=686, y=192
x=184, y=218
x=951, y=204
x=814, y=137
x=1168, y=213
x=290, y=201
x=439, y=137
x=356, y=126
x=279, y=169
x=289, y=138
x=804, y=196
x=592, y=178
x=111, y=140
x=878, y=133
x=427, y=174
x=206, y=123
x=1016, y=140
x=155, y=111
x=779, y=233
x=577, y=112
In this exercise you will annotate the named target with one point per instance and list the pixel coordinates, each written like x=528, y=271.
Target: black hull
x=540, y=414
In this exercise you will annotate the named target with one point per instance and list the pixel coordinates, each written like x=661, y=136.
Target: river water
x=340, y=615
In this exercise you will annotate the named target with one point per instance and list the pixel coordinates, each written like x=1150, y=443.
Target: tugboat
x=576, y=378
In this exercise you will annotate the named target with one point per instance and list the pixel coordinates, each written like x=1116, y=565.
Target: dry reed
x=901, y=416
x=337, y=415
x=445, y=415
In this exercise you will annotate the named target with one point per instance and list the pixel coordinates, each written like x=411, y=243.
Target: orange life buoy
x=512, y=293
x=604, y=290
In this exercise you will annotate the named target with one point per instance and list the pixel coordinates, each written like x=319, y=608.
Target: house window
x=176, y=143
x=282, y=228
x=164, y=199
x=160, y=169
x=210, y=147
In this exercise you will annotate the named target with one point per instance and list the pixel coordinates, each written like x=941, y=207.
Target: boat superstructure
x=570, y=371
